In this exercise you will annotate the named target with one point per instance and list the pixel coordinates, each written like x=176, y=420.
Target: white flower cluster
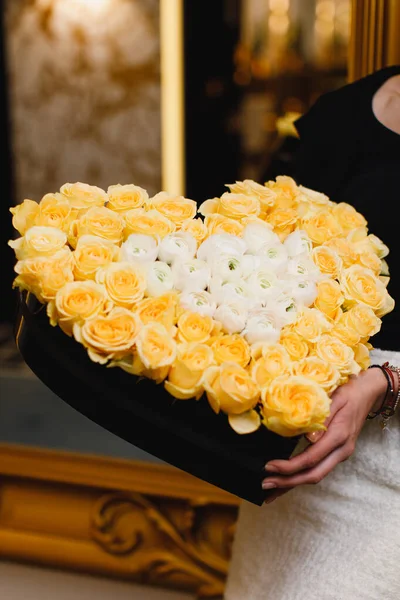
x=253, y=285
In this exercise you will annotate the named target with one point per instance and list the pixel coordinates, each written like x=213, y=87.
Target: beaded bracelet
x=389, y=407
x=391, y=400
x=389, y=389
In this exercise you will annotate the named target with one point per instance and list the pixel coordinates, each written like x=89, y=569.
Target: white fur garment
x=338, y=540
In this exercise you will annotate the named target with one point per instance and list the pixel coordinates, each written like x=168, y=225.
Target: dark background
x=7, y=309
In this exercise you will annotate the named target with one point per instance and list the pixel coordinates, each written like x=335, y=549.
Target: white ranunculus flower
x=263, y=284
x=139, y=248
x=228, y=267
x=298, y=243
x=191, y=275
x=220, y=244
x=304, y=291
x=180, y=245
x=275, y=257
x=232, y=317
x=226, y=292
x=262, y=326
x=303, y=267
x=201, y=302
x=159, y=278
x=257, y=235
x=284, y=308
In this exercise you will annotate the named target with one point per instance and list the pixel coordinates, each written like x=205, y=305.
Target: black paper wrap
x=185, y=433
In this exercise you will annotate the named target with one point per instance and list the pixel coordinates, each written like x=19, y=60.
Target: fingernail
x=268, y=485
x=271, y=468
x=314, y=436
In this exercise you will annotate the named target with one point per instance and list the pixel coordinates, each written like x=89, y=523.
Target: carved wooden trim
x=374, y=36
x=143, y=522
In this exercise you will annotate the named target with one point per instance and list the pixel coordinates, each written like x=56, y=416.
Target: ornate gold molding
x=374, y=36
x=143, y=522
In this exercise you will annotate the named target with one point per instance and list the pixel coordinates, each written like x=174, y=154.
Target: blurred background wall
x=84, y=93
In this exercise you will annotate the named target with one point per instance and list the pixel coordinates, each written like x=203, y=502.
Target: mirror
x=181, y=95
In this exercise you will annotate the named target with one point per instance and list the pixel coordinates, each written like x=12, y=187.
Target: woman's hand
x=351, y=404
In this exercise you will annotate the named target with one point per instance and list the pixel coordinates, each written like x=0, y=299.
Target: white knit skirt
x=338, y=540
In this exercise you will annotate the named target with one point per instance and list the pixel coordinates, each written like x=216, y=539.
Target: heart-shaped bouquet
x=258, y=305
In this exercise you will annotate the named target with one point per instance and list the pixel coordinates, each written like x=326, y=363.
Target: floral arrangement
x=262, y=301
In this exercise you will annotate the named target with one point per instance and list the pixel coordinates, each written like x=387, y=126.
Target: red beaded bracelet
x=391, y=400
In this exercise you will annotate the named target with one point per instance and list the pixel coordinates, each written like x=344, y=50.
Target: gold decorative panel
x=143, y=522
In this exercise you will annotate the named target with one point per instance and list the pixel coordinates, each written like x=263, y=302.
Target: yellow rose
x=194, y=327
x=295, y=345
x=379, y=247
x=83, y=196
x=283, y=221
x=76, y=302
x=185, y=375
x=45, y=275
x=125, y=283
x=329, y=297
x=99, y=221
x=359, y=239
x=273, y=362
x=230, y=388
x=175, y=208
x=285, y=190
x=53, y=279
x=135, y=366
x=362, y=356
x=285, y=185
x=248, y=187
x=347, y=335
x=55, y=211
x=311, y=324
x=109, y=337
x=320, y=226
x=209, y=207
x=312, y=198
x=231, y=348
x=344, y=249
x=220, y=224
x=369, y=260
x=323, y=373
x=237, y=206
x=125, y=197
x=91, y=254
x=24, y=215
x=294, y=405
x=327, y=260
x=334, y=352
x=362, y=319
x=151, y=222
x=360, y=285
x=155, y=346
x=197, y=228
x=39, y=241
x=348, y=217
x=161, y=309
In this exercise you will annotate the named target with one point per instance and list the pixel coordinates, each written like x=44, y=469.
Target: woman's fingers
x=312, y=456
x=313, y=475
x=338, y=402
